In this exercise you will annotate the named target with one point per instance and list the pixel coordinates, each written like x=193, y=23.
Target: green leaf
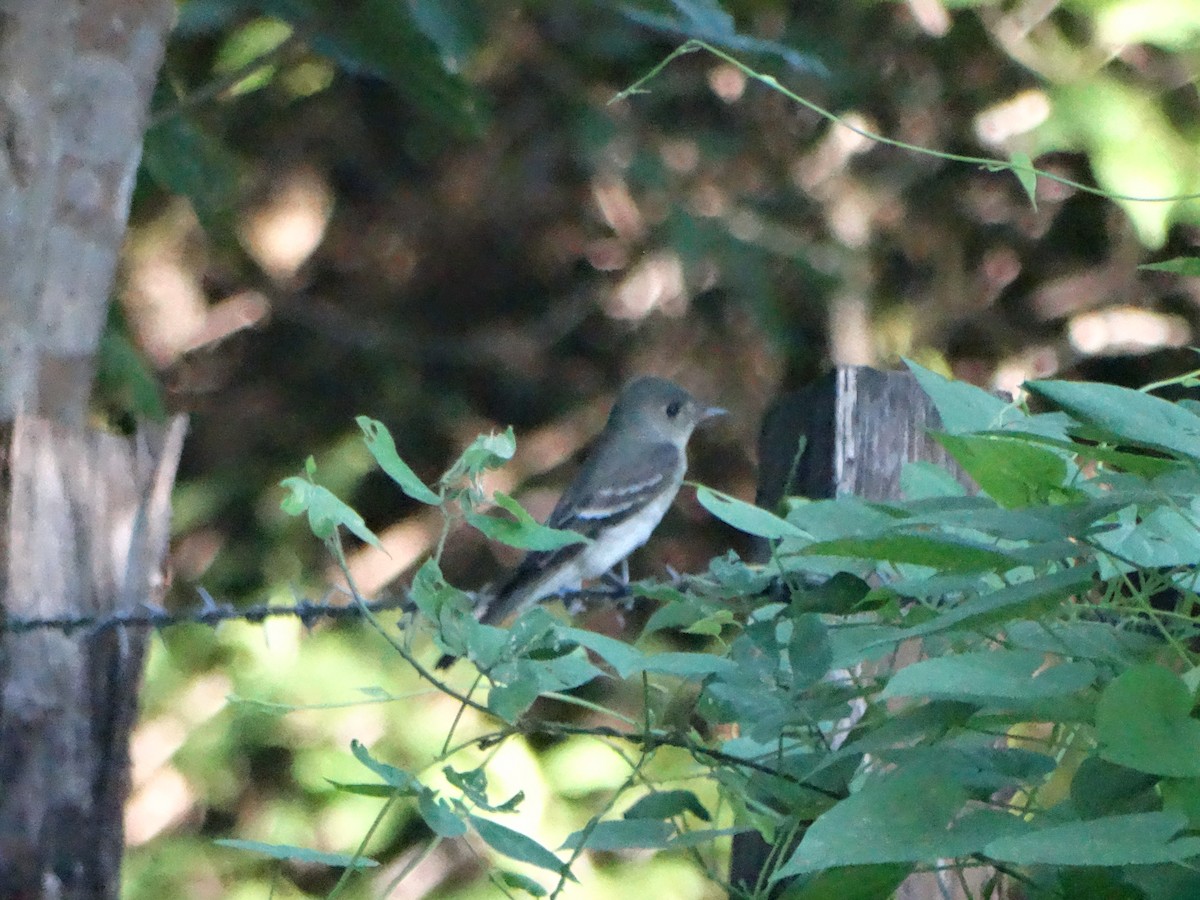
x=379, y=441
x=1188, y=266
x=1135, y=462
x=863, y=882
x=486, y=452
x=473, y=783
x=745, y=516
x=705, y=20
x=325, y=511
x=517, y=846
x=666, y=805
x=711, y=625
x=1013, y=472
x=522, y=530
x=947, y=554
x=685, y=665
x=1101, y=788
x=244, y=47
x=510, y=701
x=299, y=854
x=1128, y=415
x=191, y=162
x=124, y=378
x=700, y=836
x=1138, y=839
x=564, y=673
x=397, y=778
x=1163, y=537
x=625, y=659
x=961, y=406
x=920, y=480
x=440, y=816
x=902, y=817
x=1143, y=721
x=1022, y=167
x=1178, y=794
x=363, y=790
x=1003, y=675
x=839, y=595
x=622, y=834
x=456, y=28
x=1006, y=603
x=520, y=882
x=431, y=592
x=380, y=37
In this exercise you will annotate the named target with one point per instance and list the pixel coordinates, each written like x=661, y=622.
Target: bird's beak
x=712, y=412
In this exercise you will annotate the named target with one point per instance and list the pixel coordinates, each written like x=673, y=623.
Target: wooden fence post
x=860, y=427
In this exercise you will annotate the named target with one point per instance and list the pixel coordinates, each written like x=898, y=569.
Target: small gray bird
x=632, y=473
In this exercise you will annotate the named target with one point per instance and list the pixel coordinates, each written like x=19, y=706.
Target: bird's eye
x=673, y=409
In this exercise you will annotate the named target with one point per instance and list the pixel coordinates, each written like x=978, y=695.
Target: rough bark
x=88, y=517
x=75, y=84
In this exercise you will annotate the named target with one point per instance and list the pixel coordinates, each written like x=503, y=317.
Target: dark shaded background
x=432, y=214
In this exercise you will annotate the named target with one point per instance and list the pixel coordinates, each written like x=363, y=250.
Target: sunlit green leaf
x=379, y=441
x=486, y=452
x=1138, y=839
x=894, y=818
x=1003, y=675
x=949, y=554
x=711, y=625
x=962, y=406
x=520, y=882
x=325, y=511
x=1188, y=266
x=1128, y=415
x=745, y=516
x=509, y=701
x=517, y=846
x=1013, y=472
x=666, y=805
x=1144, y=722
x=440, y=816
x=393, y=776
x=622, y=834
x=522, y=530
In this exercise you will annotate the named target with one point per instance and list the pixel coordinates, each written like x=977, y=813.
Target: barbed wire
x=209, y=613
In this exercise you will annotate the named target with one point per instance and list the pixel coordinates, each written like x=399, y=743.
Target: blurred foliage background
x=430, y=212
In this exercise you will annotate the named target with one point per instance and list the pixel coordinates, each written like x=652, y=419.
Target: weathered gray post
x=860, y=427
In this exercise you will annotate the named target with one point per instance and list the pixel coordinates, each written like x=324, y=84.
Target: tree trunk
x=84, y=515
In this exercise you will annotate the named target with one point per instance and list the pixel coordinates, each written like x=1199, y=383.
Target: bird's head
x=659, y=410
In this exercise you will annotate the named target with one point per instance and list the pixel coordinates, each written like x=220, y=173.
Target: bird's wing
x=600, y=497
x=609, y=489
